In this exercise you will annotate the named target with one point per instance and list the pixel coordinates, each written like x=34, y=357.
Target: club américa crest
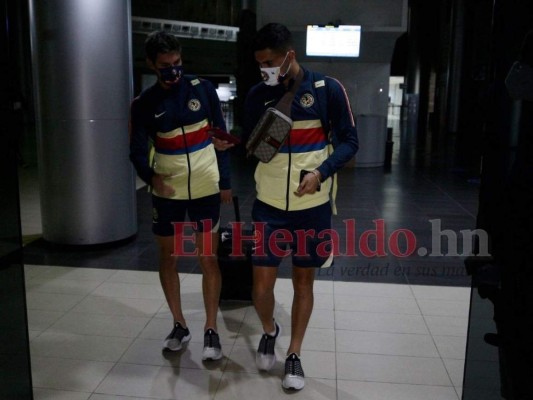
x=194, y=104
x=307, y=100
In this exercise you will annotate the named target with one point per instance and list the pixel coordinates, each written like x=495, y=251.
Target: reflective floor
x=387, y=327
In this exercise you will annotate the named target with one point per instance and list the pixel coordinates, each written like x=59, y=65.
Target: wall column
x=81, y=53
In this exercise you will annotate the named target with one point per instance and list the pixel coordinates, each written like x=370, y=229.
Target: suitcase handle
x=236, y=208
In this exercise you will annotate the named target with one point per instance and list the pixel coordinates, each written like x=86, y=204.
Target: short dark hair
x=274, y=36
x=161, y=42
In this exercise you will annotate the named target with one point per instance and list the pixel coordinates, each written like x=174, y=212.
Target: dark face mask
x=171, y=75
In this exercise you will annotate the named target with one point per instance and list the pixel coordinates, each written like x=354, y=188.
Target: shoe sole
x=263, y=363
x=211, y=354
x=293, y=382
x=168, y=346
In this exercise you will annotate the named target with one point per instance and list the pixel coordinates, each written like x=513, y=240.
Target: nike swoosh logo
x=268, y=102
x=158, y=115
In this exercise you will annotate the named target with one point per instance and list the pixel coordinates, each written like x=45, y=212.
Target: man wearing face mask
x=293, y=189
x=189, y=175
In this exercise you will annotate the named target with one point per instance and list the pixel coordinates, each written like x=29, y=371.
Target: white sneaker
x=294, y=374
x=212, y=349
x=265, y=357
x=177, y=338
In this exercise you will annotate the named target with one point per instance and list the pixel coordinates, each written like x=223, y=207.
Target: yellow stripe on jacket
x=201, y=155
x=280, y=178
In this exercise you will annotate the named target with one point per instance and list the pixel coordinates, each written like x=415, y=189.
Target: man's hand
x=226, y=196
x=221, y=144
x=309, y=184
x=160, y=187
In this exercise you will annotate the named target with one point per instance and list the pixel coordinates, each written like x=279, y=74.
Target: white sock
x=274, y=332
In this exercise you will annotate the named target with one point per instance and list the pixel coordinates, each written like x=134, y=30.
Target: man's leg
x=169, y=278
x=302, y=306
x=265, y=272
x=316, y=219
x=263, y=296
x=170, y=283
x=205, y=212
x=211, y=278
x=164, y=212
x=211, y=284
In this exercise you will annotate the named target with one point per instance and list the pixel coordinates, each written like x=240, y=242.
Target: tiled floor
x=97, y=318
x=97, y=334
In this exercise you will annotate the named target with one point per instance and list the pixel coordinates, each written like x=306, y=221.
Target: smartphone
x=303, y=173
x=223, y=135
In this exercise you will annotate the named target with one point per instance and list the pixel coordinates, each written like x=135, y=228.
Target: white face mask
x=272, y=76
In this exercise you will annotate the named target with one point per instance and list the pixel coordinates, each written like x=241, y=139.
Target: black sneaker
x=294, y=374
x=212, y=349
x=266, y=356
x=177, y=338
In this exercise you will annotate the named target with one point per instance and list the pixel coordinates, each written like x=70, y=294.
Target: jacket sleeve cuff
x=323, y=173
x=224, y=183
x=147, y=176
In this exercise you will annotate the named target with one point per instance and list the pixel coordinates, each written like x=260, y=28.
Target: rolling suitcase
x=236, y=271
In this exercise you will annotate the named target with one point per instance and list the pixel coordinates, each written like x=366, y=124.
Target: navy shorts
x=303, y=233
x=205, y=212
